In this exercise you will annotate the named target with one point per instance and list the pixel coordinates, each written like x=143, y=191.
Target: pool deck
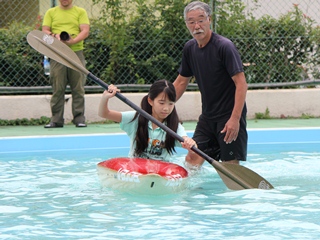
x=24, y=131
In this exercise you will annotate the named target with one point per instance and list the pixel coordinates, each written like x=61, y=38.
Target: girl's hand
x=188, y=143
x=111, y=92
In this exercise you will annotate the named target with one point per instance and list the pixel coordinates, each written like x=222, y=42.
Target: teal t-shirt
x=156, y=139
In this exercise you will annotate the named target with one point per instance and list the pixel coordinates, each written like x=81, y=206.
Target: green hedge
x=141, y=44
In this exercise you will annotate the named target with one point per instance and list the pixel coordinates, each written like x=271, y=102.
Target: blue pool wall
x=268, y=139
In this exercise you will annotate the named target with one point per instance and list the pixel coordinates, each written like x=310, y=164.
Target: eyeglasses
x=201, y=21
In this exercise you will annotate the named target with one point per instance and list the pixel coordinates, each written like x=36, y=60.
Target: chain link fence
x=137, y=42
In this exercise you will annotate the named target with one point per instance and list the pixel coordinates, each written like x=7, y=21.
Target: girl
x=147, y=140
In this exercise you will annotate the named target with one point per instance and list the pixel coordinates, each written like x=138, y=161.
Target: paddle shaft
x=234, y=176
x=218, y=166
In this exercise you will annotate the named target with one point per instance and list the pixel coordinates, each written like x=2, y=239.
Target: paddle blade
x=247, y=178
x=55, y=49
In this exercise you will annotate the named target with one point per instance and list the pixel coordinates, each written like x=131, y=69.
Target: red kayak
x=143, y=176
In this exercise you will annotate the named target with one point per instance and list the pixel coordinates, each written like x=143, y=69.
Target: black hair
x=172, y=120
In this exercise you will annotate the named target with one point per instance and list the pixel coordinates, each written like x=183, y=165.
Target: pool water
x=49, y=189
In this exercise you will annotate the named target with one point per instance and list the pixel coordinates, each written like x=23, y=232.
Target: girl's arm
x=104, y=110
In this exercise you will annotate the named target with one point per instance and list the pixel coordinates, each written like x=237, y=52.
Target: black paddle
x=236, y=177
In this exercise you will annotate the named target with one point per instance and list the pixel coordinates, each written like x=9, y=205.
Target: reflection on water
x=45, y=197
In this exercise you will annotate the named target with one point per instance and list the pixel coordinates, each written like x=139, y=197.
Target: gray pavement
x=69, y=129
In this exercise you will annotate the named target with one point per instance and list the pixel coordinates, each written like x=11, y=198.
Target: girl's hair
x=172, y=120
x=195, y=5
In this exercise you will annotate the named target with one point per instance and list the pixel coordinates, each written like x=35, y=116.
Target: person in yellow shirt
x=70, y=24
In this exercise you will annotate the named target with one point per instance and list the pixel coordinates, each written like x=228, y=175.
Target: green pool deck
x=69, y=129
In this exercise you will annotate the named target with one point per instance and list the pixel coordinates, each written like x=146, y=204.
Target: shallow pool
x=49, y=189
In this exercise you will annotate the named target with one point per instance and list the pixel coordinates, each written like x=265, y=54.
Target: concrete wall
x=292, y=103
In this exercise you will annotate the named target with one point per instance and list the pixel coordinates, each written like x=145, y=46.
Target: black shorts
x=209, y=140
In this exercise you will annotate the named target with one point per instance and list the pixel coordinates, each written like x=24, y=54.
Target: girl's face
x=161, y=107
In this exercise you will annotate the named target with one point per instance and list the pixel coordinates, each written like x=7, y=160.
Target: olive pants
x=60, y=77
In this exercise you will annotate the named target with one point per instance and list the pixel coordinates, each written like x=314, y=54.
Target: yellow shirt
x=69, y=20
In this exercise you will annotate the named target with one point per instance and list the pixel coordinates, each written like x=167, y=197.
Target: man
x=215, y=63
x=74, y=21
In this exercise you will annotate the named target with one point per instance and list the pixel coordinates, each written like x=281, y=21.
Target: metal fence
x=278, y=41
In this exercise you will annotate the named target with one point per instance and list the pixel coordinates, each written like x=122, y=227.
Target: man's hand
x=231, y=129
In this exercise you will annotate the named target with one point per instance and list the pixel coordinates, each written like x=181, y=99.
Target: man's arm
x=46, y=29
x=181, y=84
x=232, y=126
x=240, y=95
x=84, y=33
